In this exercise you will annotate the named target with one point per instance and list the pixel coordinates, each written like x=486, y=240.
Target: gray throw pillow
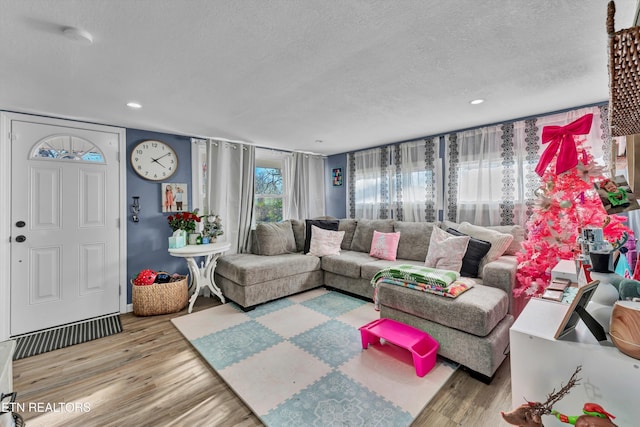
x=298, y=233
x=275, y=238
x=414, y=239
x=364, y=233
x=349, y=227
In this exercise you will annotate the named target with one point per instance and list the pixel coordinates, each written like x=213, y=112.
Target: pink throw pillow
x=385, y=245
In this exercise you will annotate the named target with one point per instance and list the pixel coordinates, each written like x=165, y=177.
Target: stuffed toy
x=627, y=288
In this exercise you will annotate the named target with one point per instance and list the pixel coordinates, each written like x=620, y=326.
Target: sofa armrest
x=501, y=274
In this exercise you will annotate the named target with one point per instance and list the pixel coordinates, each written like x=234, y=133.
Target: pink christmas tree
x=567, y=202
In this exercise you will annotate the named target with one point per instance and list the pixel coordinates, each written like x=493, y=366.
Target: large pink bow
x=561, y=138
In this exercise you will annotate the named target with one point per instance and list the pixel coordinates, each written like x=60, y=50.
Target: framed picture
x=616, y=195
x=174, y=197
x=576, y=308
x=336, y=174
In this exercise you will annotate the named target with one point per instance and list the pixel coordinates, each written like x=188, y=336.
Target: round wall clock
x=154, y=160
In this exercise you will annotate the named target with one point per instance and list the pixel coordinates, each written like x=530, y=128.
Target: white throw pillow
x=325, y=242
x=499, y=241
x=446, y=250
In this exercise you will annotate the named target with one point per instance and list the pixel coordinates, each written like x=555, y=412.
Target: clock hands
x=164, y=155
x=156, y=160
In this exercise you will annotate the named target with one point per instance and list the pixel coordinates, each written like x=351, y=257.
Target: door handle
x=20, y=238
x=20, y=224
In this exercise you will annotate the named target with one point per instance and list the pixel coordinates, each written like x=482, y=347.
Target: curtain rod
x=204, y=139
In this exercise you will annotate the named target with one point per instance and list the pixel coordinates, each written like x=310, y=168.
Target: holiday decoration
x=530, y=414
x=562, y=145
x=567, y=202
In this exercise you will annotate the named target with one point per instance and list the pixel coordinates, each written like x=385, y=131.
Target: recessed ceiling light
x=134, y=105
x=78, y=35
x=476, y=101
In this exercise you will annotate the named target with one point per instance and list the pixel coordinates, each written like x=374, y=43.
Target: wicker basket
x=624, y=84
x=160, y=298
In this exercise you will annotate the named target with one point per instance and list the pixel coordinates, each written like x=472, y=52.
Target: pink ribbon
x=562, y=143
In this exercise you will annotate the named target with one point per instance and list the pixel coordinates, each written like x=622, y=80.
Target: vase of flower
x=186, y=222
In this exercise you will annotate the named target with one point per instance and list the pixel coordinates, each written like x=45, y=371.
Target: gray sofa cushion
x=414, y=239
x=349, y=227
x=476, y=311
x=298, y=233
x=274, y=238
x=348, y=263
x=249, y=269
x=364, y=232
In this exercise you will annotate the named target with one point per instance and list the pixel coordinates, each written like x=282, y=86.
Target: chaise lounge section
x=472, y=329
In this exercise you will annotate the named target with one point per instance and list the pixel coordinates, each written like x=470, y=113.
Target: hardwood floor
x=149, y=375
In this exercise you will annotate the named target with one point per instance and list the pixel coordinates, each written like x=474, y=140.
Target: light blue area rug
x=299, y=361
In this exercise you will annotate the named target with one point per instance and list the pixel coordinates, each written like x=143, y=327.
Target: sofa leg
x=247, y=309
x=480, y=377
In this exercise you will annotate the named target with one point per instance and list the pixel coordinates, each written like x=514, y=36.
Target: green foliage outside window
x=268, y=195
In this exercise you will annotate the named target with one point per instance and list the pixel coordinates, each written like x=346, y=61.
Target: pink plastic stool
x=423, y=347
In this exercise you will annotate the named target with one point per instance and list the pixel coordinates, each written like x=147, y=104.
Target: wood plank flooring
x=149, y=375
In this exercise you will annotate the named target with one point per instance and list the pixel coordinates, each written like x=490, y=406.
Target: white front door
x=65, y=236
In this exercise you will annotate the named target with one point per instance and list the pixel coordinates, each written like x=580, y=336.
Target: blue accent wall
x=147, y=240
x=335, y=197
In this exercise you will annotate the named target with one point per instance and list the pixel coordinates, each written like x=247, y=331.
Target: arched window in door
x=67, y=147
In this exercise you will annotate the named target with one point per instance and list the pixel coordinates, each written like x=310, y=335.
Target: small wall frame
x=175, y=197
x=337, y=177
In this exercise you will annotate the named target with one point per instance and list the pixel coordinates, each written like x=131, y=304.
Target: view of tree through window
x=268, y=194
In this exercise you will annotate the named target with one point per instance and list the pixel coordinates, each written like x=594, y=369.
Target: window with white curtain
x=401, y=181
x=479, y=175
x=416, y=180
x=491, y=175
x=270, y=186
x=371, y=184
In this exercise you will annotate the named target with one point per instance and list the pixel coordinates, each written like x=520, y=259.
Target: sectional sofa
x=472, y=329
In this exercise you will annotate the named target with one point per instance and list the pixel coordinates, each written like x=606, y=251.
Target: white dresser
x=6, y=373
x=540, y=364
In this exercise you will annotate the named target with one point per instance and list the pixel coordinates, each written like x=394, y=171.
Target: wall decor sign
x=174, y=197
x=336, y=174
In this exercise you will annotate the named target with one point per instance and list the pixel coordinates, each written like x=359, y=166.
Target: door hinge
x=12, y=136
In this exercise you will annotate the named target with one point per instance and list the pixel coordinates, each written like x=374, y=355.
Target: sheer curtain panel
x=369, y=184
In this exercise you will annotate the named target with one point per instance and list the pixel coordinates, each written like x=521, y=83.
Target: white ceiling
x=285, y=73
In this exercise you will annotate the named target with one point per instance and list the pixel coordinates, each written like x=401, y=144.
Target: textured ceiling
x=285, y=73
